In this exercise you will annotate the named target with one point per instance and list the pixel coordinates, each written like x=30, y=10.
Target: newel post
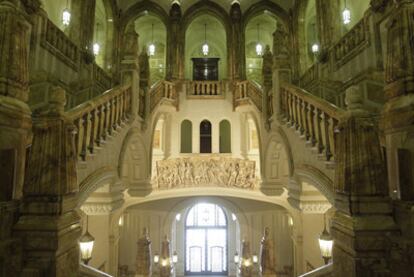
x=363, y=220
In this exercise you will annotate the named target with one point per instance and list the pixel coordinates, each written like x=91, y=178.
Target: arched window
x=186, y=137
x=205, y=136
x=225, y=136
x=206, y=240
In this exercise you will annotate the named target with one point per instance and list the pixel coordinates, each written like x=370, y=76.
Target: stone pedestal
x=363, y=220
x=49, y=225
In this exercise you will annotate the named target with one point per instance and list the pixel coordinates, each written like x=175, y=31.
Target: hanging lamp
x=151, y=47
x=86, y=242
x=259, y=47
x=346, y=15
x=326, y=243
x=205, y=48
x=66, y=15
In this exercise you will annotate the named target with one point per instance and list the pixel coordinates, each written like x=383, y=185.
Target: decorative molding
x=314, y=207
x=97, y=208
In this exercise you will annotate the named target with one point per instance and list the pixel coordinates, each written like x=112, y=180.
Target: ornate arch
x=100, y=177
x=262, y=6
x=138, y=9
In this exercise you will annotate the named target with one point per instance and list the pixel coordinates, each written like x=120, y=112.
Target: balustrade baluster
x=79, y=136
x=306, y=118
x=291, y=111
x=319, y=130
x=121, y=108
x=296, y=110
x=86, y=135
x=107, y=123
x=94, y=130
x=101, y=123
x=301, y=116
x=312, y=125
x=326, y=123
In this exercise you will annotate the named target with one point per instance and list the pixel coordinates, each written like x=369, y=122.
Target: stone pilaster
x=49, y=225
x=237, y=43
x=87, y=25
x=281, y=65
x=267, y=69
x=398, y=112
x=144, y=257
x=130, y=67
x=363, y=220
x=175, y=53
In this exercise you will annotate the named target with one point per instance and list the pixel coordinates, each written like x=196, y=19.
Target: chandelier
x=259, y=47
x=96, y=48
x=151, y=47
x=346, y=15
x=205, y=48
x=66, y=15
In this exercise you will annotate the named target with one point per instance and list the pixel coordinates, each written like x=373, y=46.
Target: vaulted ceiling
x=185, y=4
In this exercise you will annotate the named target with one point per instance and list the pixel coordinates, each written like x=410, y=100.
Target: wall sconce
x=315, y=48
x=66, y=15
x=156, y=259
x=121, y=221
x=255, y=258
x=326, y=244
x=346, y=15
x=164, y=262
x=175, y=257
x=96, y=49
x=236, y=258
x=86, y=242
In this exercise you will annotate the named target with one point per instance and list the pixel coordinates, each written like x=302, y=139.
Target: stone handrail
x=202, y=89
x=59, y=44
x=162, y=90
x=101, y=77
x=351, y=43
x=247, y=90
x=310, y=75
x=99, y=117
x=323, y=271
x=88, y=271
x=315, y=118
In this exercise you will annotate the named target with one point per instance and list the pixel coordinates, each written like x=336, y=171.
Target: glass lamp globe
x=86, y=246
x=96, y=49
x=315, y=48
x=346, y=16
x=175, y=257
x=259, y=49
x=66, y=17
x=151, y=49
x=236, y=258
x=156, y=258
x=326, y=245
x=205, y=49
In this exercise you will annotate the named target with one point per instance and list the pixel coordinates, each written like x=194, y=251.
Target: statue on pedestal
x=267, y=261
x=143, y=266
x=165, y=259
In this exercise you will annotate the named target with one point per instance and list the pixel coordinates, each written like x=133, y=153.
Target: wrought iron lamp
x=326, y=244
x=86, y=242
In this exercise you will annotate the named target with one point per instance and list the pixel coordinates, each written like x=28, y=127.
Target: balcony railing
x=99, y=117
x=205, y=89
x=247, y=91
x=351, y=43
x=163, y=90
x=59, y=44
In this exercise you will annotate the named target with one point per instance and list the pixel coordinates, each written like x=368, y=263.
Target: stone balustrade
x=205, y=89
x=163, y=90
x=351, y=43
x=101, y=77
x=314, y=118
x=246, y=92
x=323, y=271
x=99, y=117
x=59, y=44
x=88, y=271
x=310, y=76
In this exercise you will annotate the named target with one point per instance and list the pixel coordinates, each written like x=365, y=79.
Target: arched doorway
x=206, y=240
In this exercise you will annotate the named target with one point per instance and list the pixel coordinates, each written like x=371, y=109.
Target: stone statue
x=267, y=262
x=143, y=266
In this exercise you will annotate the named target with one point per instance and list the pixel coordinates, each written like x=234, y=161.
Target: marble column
x=49, y=225
x=237, y=43
x=15, y=126
x=175, y=54
x=363, y=220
